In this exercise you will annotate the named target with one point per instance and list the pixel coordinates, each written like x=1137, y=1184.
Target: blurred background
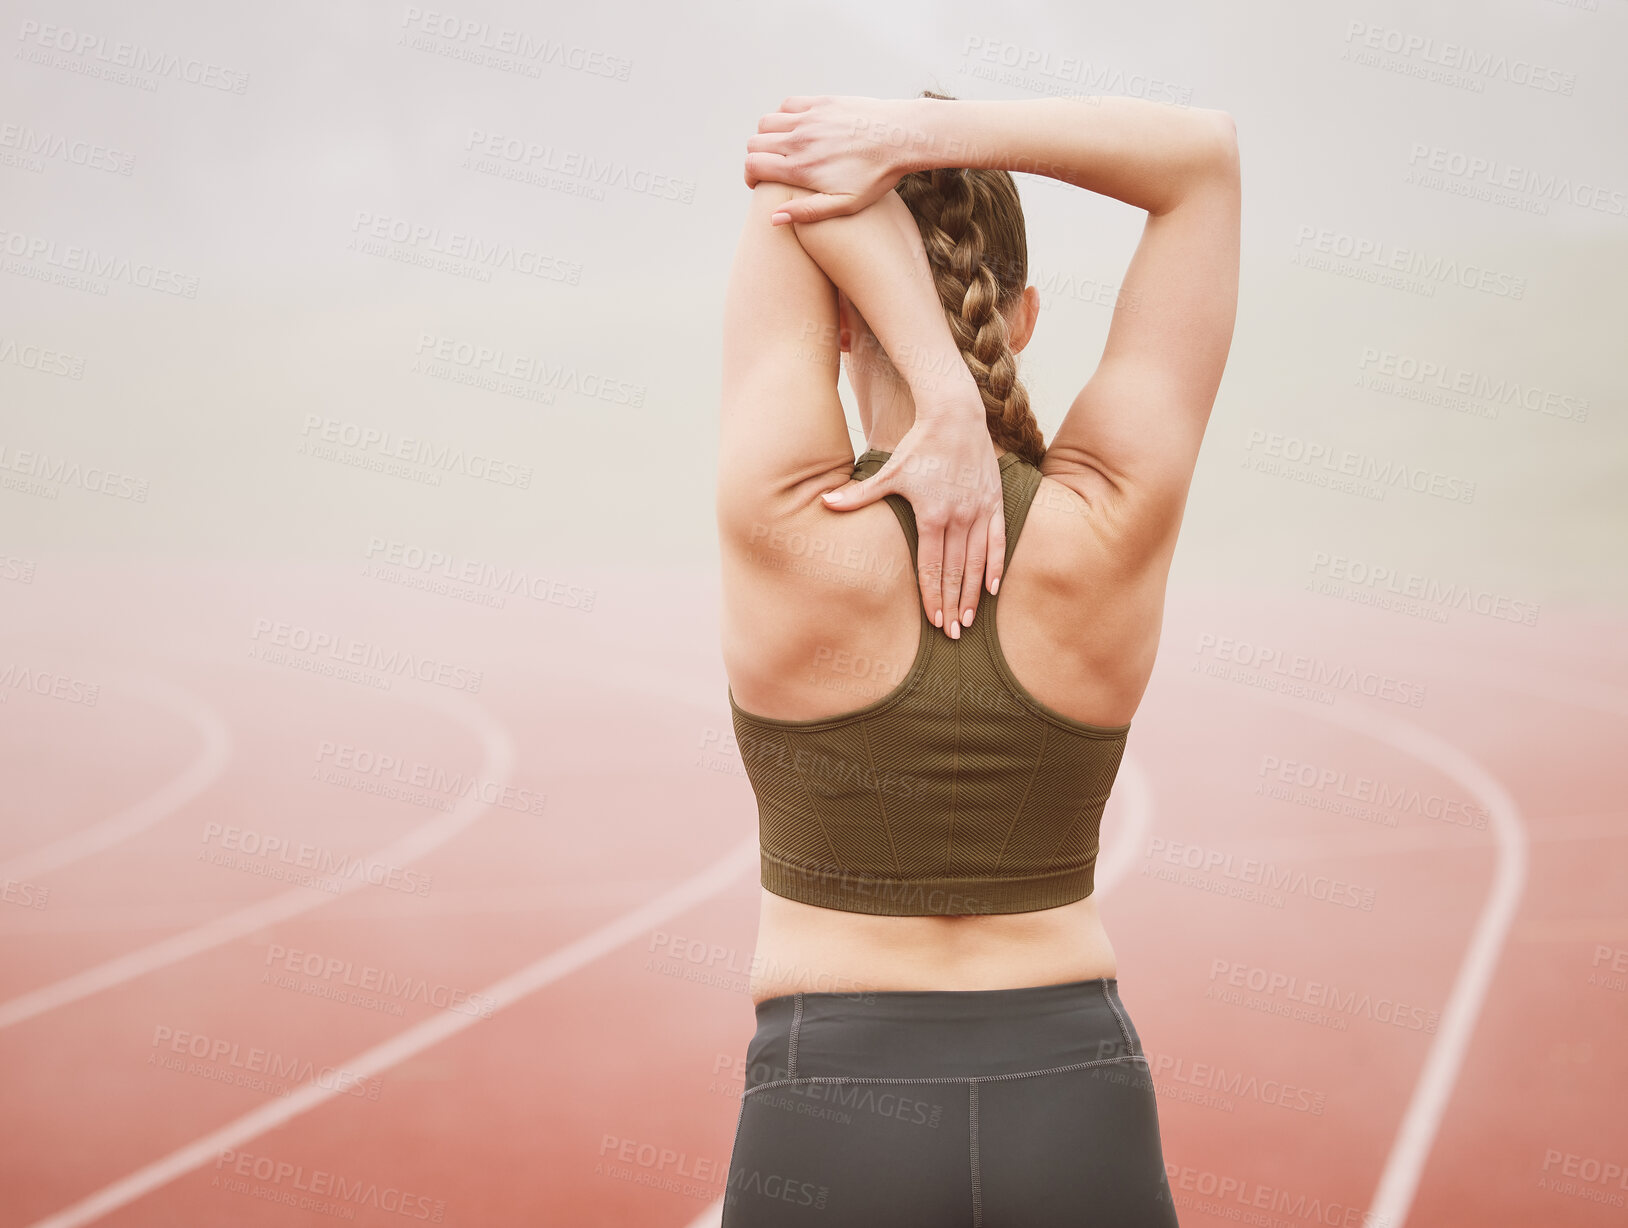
x=373, y=842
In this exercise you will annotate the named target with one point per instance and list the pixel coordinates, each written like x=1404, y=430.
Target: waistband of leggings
x=923, y=1005
x=940, y=1033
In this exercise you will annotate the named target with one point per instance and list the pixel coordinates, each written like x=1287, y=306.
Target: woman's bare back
x=832, y=623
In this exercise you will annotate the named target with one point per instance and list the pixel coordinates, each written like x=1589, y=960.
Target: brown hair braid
x=971, y=223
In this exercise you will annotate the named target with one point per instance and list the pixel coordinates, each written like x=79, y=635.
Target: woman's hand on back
x=842, y=147
x=947, y=469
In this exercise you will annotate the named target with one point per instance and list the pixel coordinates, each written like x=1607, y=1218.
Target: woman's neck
x=887, y=410
x=884, y=429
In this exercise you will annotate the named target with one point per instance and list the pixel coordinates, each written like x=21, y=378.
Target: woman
x=933, y=671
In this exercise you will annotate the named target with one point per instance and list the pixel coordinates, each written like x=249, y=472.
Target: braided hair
x=971, y=223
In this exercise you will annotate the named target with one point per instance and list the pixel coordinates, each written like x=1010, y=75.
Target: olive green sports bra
x=956, y=793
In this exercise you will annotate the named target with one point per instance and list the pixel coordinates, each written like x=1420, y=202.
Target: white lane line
x=511, y=989
x=712, y=1217
x=1411, y=1147
x=1393, y=1197
x=198, y=776
x=498, y=763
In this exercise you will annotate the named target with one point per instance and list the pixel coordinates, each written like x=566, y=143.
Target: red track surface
x=632, y=1039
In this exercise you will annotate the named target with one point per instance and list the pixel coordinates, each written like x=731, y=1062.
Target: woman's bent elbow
x=1224, y=135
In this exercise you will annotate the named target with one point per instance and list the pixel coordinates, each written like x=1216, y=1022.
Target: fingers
x=787, y=117
x=996, y=566
x=954, y=551
x=858, y=494
x=777, y=121
x=774, y=145
x=972, y=582
x=769, y=142
x=812, y=208
x=769, y=166
x=930, y=569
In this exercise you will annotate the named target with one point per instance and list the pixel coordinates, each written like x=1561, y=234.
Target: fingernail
x=955, y=630
x=966, y=617
x=938, y=618
x=830, y=496
x=994, y=586
x=780, y=218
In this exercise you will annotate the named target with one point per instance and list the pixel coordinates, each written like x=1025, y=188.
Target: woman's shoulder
x=1111, y=525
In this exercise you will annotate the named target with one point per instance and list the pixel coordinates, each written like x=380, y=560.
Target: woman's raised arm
x=944, y=464
x=780, y=334
x=1130, y=439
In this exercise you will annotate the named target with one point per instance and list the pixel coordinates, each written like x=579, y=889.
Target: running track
x=552, y=966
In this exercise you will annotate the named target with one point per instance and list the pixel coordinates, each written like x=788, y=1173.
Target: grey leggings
x=1000, y=1108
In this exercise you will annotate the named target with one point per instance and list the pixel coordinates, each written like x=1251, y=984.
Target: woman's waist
x=802, y=948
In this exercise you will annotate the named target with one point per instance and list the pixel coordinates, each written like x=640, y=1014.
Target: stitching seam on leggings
x=972, y=1129
x=1015, y=1074
x=1130, y=1044
x=796, y=1023
x=736, y=1145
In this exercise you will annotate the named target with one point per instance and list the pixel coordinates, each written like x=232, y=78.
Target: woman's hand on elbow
x=843, y=149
